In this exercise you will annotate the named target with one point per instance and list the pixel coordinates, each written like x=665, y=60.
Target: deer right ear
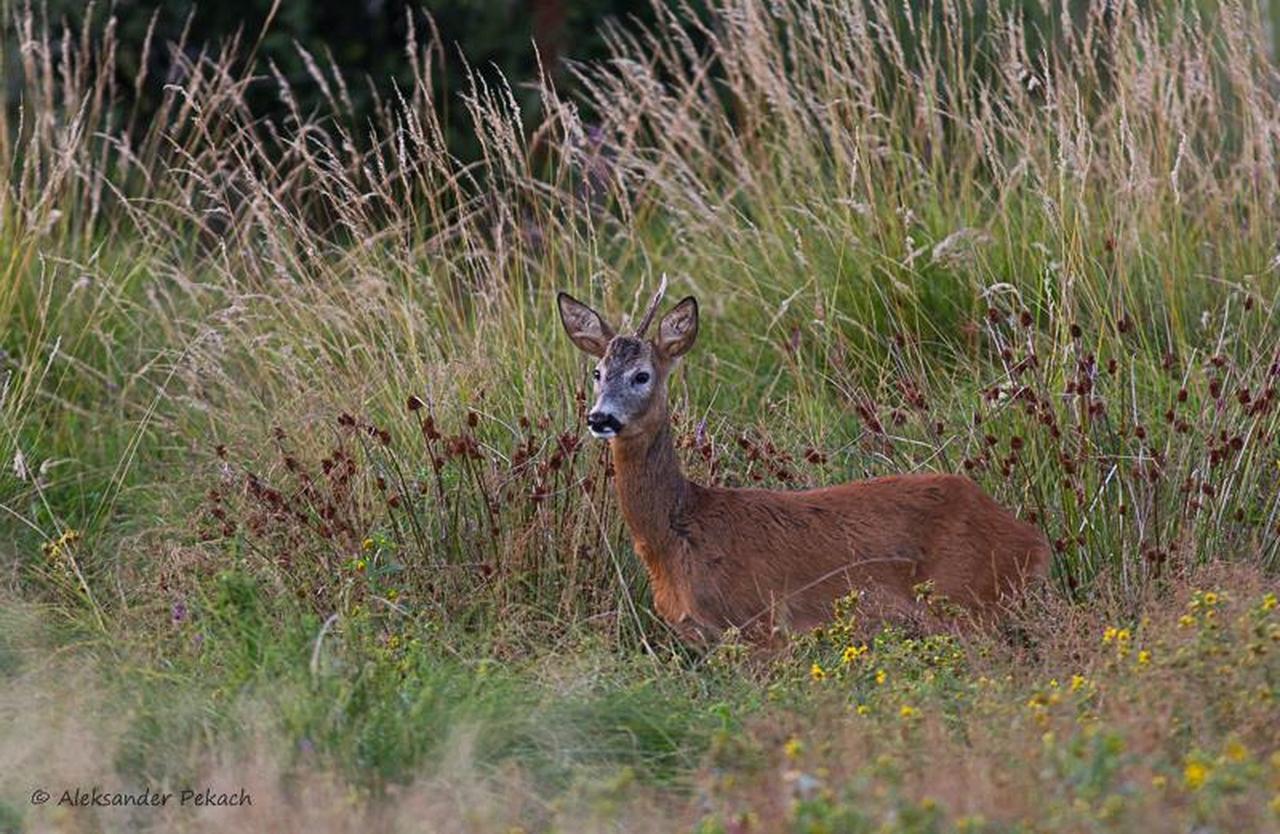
x=585, y=327
x=679, y=328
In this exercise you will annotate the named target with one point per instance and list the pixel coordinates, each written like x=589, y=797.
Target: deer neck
x=651, y=489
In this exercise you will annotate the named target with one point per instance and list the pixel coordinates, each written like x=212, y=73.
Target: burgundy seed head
x=415, y=403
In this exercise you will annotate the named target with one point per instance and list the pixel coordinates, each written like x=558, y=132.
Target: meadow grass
x=295, y=488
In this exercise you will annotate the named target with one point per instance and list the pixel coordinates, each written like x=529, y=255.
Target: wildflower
x=1122, y=636
x=1144, y=658
x=1186, y=621
x=1210, y=598
x=1158, y=782
x=367, y=544
x=54, y=548
x=1235, y=751
x=863, y=710
x=1078, y=682
x=852, y=653
x=908, y=712
x=793, y=748
x=881, y=676
x=1194, y=775
x=817, y=673
x=1269, y=601
x=1109, y=635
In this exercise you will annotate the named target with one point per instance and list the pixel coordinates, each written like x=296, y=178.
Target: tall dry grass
x=922, y=244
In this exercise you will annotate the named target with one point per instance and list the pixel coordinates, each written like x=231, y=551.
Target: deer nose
x=603, y=424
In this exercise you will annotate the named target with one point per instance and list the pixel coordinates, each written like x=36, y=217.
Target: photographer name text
x=96, y=797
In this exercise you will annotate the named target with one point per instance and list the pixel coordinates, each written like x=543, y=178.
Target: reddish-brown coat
x=761, y=559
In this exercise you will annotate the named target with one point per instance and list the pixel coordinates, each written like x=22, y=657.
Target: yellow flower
x=1186, y=621
x=367, y=544
x=1235, y=751
x=851, y=653
x=1144, y=658
x=1274, y=805
x=908, y=712
x=881, y=676
x=1210, y=598
x=793, y=748
x=1158, y=782
x=1269, y=601
x=1194, y=775
x=863, y=709
x=1122, y=636
x=1078, y=682
x=817, y=672
x=1109, y=635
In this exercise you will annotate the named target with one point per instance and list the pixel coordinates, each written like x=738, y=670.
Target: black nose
x=601, y=421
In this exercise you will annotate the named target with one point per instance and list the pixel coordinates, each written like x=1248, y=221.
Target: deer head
x=631, y=374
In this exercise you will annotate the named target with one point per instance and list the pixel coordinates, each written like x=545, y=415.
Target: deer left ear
x=679, y=329
x=585, y=327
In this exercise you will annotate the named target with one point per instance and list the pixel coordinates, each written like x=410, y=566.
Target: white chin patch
x=603, y=435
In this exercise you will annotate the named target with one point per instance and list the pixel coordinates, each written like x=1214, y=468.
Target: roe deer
x=762, y=559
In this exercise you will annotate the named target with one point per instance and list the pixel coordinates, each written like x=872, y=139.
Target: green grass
x=295, y=491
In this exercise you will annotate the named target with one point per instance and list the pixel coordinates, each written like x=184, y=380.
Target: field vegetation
x=296, y=494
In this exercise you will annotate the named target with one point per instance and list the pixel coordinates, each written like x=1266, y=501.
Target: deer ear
x=585, y=327
x=679, y=328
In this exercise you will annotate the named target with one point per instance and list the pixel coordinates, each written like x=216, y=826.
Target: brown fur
x=761, y=560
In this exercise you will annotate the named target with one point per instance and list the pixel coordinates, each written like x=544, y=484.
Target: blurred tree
x=366, y=39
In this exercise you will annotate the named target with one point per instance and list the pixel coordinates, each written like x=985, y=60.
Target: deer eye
x=595, y=374
x=640, y=378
